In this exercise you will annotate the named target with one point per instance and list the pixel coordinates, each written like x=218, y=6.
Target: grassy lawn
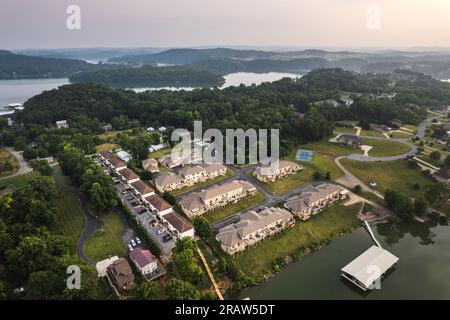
x=106, y=147
x=8, y=163
x=287, y=183
x=411, y=127
x=111, y=134
x=329, y=224
x=17, y=181
x=383, y=148
x=345, y=130
x=159, y=153
x=229, y=174
x=401, y=135
x=234, y=208
x=107, y=241
x=371, y=133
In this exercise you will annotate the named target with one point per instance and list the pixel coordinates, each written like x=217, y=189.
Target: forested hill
x=16, y=66
x=149, y=76
x=289, y=105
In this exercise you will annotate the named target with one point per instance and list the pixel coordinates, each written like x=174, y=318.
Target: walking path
x=210, y=274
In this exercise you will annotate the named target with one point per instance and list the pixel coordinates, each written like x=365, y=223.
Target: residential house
x=313, y=199
x=106, y=155
x=162, y=129
x=189, y=176
x=62, y=124
x=382, y=128
x=156, y=147
x=116, y=164
x=443, y=175
x=350, y=140
x=128, y=175
x=346, y=101
x=252, y=228
x=124, y=156
x=179, y=226
x=345, y=124
x=103, y=265
x=397, y=123
x=267, y=174
x=198, y=203
x=158, y=204
x=142, y=189
x=121, y=275
x=144, y=261
x=150, y=164
x=171, y=162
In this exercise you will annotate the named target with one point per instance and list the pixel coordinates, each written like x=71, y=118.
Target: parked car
x=133, y=243
x=19, y=290
x=138, y=241
x=161, y=231
x=130, y=198
x=124, y=192
x=167, y=238
x=135, y=203
x=141, y=210
x=130, y=247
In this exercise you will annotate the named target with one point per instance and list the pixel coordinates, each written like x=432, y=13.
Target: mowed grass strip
x=287, y=183
x=107, y=241
x=385, y=148
x=206, y=183
x=8, y=163
x=328, y=224
x=70, y=219
x=18, y=181
x=231, y=209
x=106, y=147
x=344, y=130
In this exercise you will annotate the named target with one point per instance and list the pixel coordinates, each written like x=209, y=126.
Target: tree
x=420, y=207
x=328, y=175
x=45, y=284
x=29, y=153
x=181, y=290
x=169, y=198
x=447, y=160
x=41, y=213
x=435, y=155
x=186, y=263
x=364, y=124
x=202, y=228
x=357, y=188
x=41, y=166
x=317, y=175
x=147, y=290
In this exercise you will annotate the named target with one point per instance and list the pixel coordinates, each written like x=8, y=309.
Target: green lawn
x=234, y=208
x=345, y=130
x=287, y=183
x=107, y=241
x=371, y=133
x=401, y=135
x=411, y=127
x=106, y=147
x=383, y=148
x=159, y=153
x=17, y=181
x=229, y=174
x=8, y=163
x=327, y=225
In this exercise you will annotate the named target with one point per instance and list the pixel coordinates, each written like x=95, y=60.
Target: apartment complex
x=198, y=203
x=314, y=199
x=252, y=228
x=150, y=164
x=267, y=174
x=189, y=176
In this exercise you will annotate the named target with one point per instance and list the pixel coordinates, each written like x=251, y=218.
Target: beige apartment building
x=314, y=199
x=150, y=164
x=266, y=174
x=253, y=228
x=198, y=203
x=189, y=176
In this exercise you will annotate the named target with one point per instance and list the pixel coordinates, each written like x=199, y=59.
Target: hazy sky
x=304, y=23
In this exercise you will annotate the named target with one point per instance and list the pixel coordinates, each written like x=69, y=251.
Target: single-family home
x=350, y=140
x=121, y=275
x=144, y=260
x=102, y=266
x=150, y=165
x=62, y=124
x=124, y=156
x=443, y=175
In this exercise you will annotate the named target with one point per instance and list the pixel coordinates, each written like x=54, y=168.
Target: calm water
x=423, y=271
x=12, y=91
x=236, y=79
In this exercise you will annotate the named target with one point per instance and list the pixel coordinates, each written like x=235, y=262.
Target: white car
x=138, y=241
x=19, y=290
x=161, y=231
x=133, y=243
x=130, y=247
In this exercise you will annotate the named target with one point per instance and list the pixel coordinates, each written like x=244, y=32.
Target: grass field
x=159, y=153
x=229, y=174
x=411, y=127
x=8, y=163
x=106, y=147
x=111, y=134
x=234, y=208
x=287, y=183
x=401, y=135
x=107, y=241
x=345, y=130
x=329, y=224
x=384, y=148
x=371, y=133
x=17, y=181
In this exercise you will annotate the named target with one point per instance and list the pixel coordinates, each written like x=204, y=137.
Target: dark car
x=167, y=238
x=141, y=210
x=135, y=203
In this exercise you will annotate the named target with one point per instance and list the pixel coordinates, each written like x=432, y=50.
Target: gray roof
x=311, y=194
x=282, y=164
x=250, y=222
x=374, y=256
x=167, y=178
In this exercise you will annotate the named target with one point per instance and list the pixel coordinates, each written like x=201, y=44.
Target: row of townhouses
x=252, y=228
x=198, y=203
x=174, y=159
x=314, y=199
x=172, y=220
x=267, y=174
x=189, y=176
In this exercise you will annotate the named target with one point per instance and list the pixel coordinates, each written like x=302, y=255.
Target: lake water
x=423, y=271
x=12, y=91
x=236, y=79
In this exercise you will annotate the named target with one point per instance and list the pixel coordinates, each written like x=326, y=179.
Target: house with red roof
x=144, y=260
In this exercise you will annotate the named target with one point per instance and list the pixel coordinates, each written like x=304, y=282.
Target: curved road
x=92, y=222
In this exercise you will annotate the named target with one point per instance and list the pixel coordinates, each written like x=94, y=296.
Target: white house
x=62, y=124
x=124, y=156
x=144, y=260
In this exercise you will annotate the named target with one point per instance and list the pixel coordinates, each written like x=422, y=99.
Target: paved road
x=92, y=222
x=23, y=165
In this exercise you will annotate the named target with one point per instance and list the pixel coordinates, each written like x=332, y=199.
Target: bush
x=29, y=153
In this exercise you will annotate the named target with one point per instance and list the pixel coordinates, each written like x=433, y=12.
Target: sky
x=257, y=23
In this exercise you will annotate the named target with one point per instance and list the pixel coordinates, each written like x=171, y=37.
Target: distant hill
x=16, y=66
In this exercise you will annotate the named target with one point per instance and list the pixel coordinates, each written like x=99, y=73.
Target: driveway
x=23, y=165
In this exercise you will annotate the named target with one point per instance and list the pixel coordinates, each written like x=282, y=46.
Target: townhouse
x=252, y=228
x=141, y=189
x=128, y=175
x=267, y=174
x=189, y=176
x=150, y=165
x=198, y=203
x=313, y=199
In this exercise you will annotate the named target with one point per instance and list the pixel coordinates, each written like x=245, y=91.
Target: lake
x=236, y=79
x=423, y=271
x=12, y=91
